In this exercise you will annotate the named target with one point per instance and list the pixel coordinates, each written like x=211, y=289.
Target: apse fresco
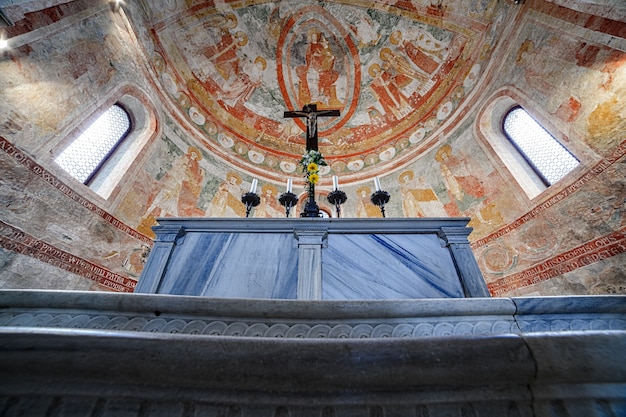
x=558, y=70
x=453, y=179
x=395, y=72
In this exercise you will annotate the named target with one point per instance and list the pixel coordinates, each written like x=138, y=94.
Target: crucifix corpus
x=311, y=113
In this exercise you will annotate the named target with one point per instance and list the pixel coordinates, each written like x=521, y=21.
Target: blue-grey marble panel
x=569, y=305
x=238, y=265
x=387, y=266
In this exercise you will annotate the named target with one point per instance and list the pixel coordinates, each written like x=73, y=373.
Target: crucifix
x=311, y=113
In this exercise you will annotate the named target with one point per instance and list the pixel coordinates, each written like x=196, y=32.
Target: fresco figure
x=418, y=200
x=404, y=69
x=482, y=8
x=363, y=27
x=227, y=200
x=179, y=191
x=191, y=186
x=389, y=94
x=239, y=89
x=289, y=131
x=464, y=188
x=135, y=260
x=417, y=53
x=269, y=206
x=536, y=66
x=364, y=206
x=165, y=202
x=224, y=54
x=319, y=65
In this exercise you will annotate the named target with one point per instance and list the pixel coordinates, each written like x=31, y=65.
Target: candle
x=377, y=183
x=289, y=184
x=335, y=182
x=253, y=186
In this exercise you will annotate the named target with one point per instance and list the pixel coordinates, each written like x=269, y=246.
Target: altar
x=313, y=259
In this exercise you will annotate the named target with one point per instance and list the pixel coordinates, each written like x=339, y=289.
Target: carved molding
x=306, y=329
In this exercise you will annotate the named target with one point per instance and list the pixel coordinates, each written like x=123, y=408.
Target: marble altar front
x=313, y=259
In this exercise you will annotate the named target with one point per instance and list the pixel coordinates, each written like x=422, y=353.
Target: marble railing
x=107, y=354
x=311, y=319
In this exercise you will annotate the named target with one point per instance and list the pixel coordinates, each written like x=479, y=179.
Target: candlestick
x=380, y=198
x=288, y=200
x=289, y=184
x=377, y=183
x=337, y=197
x=335, y=182
x=253, y=186
x=250, y=199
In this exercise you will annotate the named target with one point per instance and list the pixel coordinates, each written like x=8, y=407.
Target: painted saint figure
x=387, y=88
x=364, y=205
x=421, y=50
x=319, y=68
x=224, y=54
x=418, y=200
x=269, y=207
x=191, y=186
x=226, y=202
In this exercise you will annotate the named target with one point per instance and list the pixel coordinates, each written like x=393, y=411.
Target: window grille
x=549, y=159
x=90, y=150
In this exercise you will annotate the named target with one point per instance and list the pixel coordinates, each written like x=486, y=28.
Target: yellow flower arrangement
x=311, y=162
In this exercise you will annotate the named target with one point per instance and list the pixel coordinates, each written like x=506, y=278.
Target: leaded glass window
x=550, y=160
x=90, y=150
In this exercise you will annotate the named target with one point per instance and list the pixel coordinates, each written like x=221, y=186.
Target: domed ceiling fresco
x=396, y=72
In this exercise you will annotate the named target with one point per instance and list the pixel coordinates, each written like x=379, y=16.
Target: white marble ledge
x=309, y=319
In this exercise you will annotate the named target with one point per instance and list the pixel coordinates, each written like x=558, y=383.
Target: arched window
x=548, y=158
x=90, y=151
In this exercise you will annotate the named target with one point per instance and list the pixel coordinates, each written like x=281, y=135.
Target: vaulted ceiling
x=397, y=71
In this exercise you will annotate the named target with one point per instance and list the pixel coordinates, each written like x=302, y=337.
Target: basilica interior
x=422, y=89
x=123, y=122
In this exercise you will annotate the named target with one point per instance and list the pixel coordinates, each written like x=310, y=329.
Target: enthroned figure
x=319, y=60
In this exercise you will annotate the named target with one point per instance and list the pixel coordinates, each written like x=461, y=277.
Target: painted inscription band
x=19, y=242
x=38, y=170
x=593, y=251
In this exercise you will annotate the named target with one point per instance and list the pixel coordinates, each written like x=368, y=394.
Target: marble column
x=471, y=278
x=160, y=254
x=310, y=243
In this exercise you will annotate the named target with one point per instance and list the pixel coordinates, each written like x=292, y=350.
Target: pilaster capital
x=169, y=234
x=311, y=236
x=455, y=234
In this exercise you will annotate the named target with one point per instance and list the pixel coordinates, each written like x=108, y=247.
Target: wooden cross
x=311, y=113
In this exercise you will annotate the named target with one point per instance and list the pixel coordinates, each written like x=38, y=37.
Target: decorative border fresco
x=17, y=241
x=595, y=250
